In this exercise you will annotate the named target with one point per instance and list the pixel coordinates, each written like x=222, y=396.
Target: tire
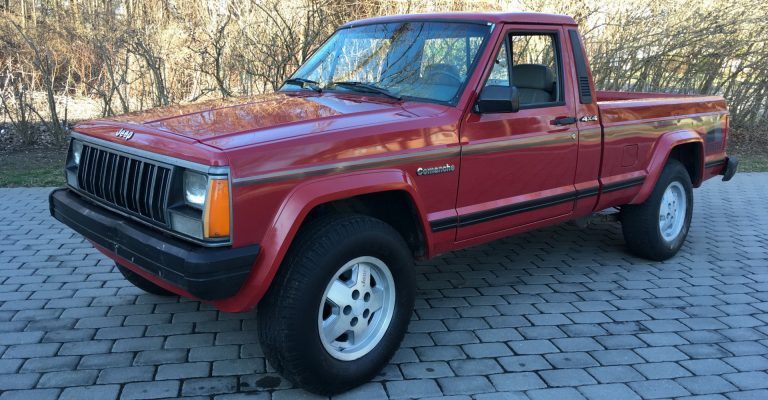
x=142, y=283
x=644, y=231
x=313, y=294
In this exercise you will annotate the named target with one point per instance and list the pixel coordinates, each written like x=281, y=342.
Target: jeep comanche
x=400, y=138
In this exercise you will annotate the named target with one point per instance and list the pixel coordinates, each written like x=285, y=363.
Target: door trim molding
x=529, y=205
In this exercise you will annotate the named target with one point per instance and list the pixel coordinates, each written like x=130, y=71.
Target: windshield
x=413, y=60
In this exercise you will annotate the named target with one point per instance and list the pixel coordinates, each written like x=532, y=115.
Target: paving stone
x=524, y=363
x=67, y=378
x=126, y=374
x=238, y=367
x=555, y=394
x=150, y=390
x=85, y=348
x=566, y=377
x=31, y=350
x=662, y=370
x=110, y=360
x=748, y=380
x=663, y=353
x=209, y=386
x=577, y=344
x=571, y=360
x=708, y=367
x=748, y=363
x=412, y=389
x=483, y=366
x=214, y=353
x=18, y=381
x=706, y=384
x=101, y=392
x=483, y=350
x=616, y=357
x=32, y=394
x=49, y=364
x=533, y=347
x=609, y=392
x=517, y=381
x=9, y=366
x=368, y=391
x=426, y=370
x=458, y=385
x=615, y=374
x=658, y=389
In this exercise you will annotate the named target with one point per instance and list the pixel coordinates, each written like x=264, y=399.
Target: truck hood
x=236, y=122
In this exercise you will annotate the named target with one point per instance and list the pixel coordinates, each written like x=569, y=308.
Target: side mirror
x=498, y=99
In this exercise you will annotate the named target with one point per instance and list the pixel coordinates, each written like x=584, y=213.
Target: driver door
x=518, y=168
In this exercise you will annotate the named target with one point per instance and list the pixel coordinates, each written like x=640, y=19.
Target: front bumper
x=204, y=272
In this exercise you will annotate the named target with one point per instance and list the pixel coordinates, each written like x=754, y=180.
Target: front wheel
x=657, y=228
x=340, y=304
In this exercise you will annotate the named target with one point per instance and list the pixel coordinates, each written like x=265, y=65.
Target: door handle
x=564, y=121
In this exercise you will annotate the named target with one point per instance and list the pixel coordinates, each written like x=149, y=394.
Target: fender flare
x=661, y=153
x=294, y=210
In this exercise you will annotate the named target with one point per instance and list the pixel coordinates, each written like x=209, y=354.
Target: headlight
x=205, y=213
x=195, y=189
x=77, y=150
x=73, y=162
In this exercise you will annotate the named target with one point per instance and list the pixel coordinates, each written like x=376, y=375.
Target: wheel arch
x=366, y=192
x=685, y=146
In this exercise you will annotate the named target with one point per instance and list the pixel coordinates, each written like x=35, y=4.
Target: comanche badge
x=436, y=170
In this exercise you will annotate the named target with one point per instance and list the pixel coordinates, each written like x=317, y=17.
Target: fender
x=661, y=152
x=295, y=208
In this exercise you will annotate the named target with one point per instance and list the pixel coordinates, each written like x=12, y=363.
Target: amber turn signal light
x=216, y=214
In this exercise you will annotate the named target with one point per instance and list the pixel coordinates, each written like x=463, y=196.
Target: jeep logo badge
x=124, y=134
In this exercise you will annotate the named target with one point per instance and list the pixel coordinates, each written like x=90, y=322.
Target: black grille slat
x=161, y=194
x=92, y=162
x=113, y=178
x=126, y=183
x=137, y=186
x=101, y=175
x=151, y=190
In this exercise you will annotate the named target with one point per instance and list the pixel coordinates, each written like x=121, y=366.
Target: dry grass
x=751, y=146
x=32, y=167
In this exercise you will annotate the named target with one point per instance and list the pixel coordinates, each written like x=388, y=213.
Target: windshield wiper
x=366, y=87
x=304, y=84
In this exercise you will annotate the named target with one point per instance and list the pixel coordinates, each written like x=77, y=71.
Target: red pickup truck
x=400, y=138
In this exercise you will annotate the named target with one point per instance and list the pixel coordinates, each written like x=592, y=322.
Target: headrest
x=447, y=68
x=533, y=76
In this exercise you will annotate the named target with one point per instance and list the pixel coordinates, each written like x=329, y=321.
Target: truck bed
x=634, y=124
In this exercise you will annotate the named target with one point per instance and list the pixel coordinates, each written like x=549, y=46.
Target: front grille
x=134, y=185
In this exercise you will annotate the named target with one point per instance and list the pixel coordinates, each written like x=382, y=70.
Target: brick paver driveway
x=561, y=313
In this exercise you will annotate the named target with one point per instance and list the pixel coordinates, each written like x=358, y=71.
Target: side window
x=500, y=72
x=531, y=62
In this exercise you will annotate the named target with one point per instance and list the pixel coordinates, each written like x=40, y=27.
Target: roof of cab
x=495, y=18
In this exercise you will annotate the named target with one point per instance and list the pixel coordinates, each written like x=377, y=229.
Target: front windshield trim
x=459, y=93
x=357, y=24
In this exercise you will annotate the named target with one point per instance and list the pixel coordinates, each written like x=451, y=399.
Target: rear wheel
x=340, y=304
x=657, y=228
x=142, y=283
